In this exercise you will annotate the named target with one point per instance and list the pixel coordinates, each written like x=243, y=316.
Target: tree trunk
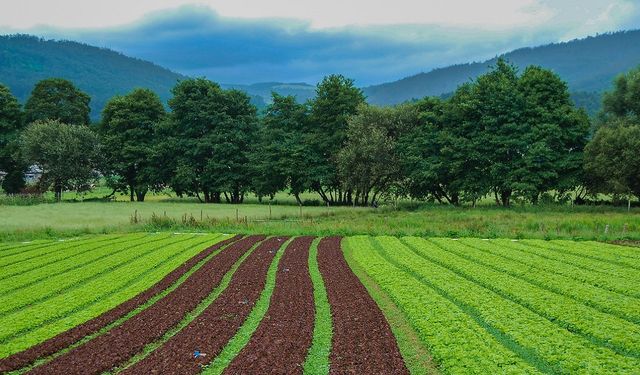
x=140, y=195
x=297, y=195
x=505, y=196
x=131, y=193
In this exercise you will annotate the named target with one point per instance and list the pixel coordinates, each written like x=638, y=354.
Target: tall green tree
x=58, y=99
x=612, y=160
x=127, y=132
x=624, y=99
x=368, y=163
x=337, y=98
x=207, y=140
x=281, y=153
x=68, y=155
x=10, y=126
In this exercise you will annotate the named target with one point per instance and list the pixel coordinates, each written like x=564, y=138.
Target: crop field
x=190, y=303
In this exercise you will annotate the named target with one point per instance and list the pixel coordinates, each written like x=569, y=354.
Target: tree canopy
x=57, y=99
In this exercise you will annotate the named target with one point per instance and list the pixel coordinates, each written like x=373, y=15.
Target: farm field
x=190, y=303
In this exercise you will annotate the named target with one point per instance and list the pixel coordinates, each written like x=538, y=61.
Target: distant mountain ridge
x=100, y=72
x=588, y=65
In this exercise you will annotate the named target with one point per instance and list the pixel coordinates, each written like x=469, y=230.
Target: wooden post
x=301, y=212
x=269, y=210
x=200, y=215
x=606, y=229
x=237, y=216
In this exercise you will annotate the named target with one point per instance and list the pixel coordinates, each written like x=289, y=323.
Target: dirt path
x=217, y=324
x=362, y=339
x=281, y=342
x=122, y=342
x=67, y=338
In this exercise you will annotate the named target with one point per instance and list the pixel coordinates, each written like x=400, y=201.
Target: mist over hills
x=588, y=65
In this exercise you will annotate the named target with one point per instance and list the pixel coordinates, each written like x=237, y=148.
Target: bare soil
x=363, y=342
x=281, y=342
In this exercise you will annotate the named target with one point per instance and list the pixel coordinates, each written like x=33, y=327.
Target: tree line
x=507, y=134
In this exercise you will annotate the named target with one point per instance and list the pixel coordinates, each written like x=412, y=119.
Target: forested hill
x=588, y=65
x=101, y=73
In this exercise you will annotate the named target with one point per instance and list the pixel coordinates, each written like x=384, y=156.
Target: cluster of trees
x=506, y=135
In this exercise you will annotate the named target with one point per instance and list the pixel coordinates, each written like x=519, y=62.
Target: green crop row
x=461, y=343
x=243, y=335
x=612, y=283
x=41, y=293
x=40, y=254
x=12, y=248
x=54, y=259
x=610, y=331
x=51, y=276
x=620, y=305
x=598, y=250
x=32, y=325
x=581, y=250
x=317, y=361
x=517, y=309
x=591, y=265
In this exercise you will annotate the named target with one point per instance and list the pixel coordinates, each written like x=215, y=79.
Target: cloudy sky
x=372, y=41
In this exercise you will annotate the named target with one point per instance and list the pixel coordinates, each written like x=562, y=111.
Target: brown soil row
x=67, y=338
x=121, y=343
x=363, y=342
x=280, y=343
x=218, y=323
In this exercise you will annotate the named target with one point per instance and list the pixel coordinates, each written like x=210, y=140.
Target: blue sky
x=246, y=41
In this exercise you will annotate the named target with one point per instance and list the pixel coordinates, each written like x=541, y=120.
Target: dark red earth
x=218, y=323
x=281, y=342
x=362, y=339
x=71, y=336
x=122, y=342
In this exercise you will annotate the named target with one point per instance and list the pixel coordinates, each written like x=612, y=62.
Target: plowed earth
x=124, y=341
x=363, y=342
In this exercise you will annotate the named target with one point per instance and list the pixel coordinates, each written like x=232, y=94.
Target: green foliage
x=10, y=126
x=57, y=99
x=612, y=160
x=128, y=136
x=317, y=361
x=67, y=154
x=207, y=141
x=369, y=161
x=624, y=99
x=336, y=100
x=280, y=158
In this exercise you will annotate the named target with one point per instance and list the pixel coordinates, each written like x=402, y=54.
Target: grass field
x=544, y=222
x=454, y=306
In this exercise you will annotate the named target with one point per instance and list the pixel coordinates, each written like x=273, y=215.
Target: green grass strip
x=131, y=314
x=317, y=361
x=414, y=352
x=242, y=337
x=190, y=316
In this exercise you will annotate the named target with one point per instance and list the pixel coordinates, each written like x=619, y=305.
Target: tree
x=612, y=159
x=336, y=100
x=67, y=154
x=368, y=163
x=57, y=99
x=207, y=141
x=280, y=158
x=128, y=135
x=10, y=126
x=624, y=99
x=432, y=154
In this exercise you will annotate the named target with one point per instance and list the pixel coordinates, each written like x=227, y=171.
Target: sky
x=372, y=41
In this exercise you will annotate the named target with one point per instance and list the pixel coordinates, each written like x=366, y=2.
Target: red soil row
x=69, y=337
x=122, y=342
x=281, y=341
x=218, y=323
x=363, y=342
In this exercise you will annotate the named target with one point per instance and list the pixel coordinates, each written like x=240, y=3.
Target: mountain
x=588, y=65
x=100, y=72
